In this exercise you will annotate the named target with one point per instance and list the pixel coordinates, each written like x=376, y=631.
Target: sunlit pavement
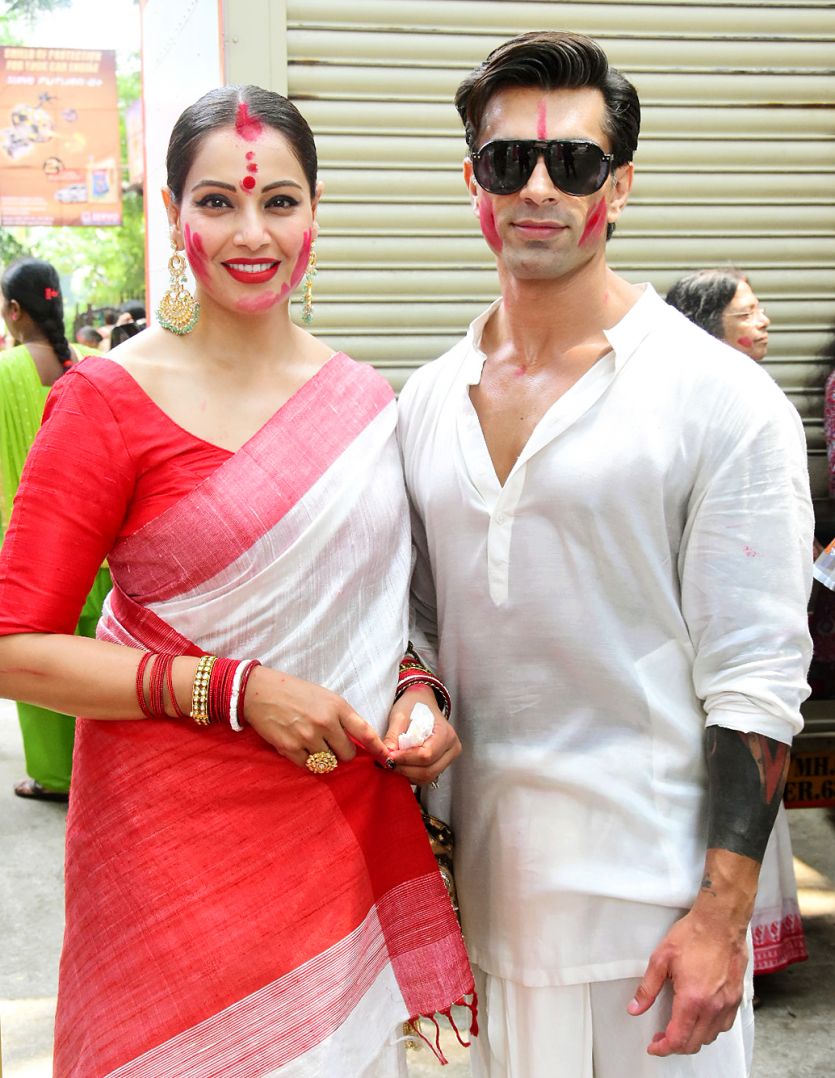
x=794, y=1026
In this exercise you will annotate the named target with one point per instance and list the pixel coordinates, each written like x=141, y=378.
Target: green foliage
x=31, y=9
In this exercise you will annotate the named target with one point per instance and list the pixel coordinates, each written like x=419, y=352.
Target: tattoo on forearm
x=746, y=775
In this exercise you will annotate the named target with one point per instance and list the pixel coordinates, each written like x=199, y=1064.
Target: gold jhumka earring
x=310, y=273
x=178, y=310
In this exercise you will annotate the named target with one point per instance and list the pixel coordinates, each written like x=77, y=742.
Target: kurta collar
x=625, y=337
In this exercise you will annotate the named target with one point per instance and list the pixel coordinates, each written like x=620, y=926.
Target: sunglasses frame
x=543, y=150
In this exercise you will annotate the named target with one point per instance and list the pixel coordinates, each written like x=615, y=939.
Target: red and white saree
x=227, y=912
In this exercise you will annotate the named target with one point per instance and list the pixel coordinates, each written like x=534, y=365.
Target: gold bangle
x=200, y=690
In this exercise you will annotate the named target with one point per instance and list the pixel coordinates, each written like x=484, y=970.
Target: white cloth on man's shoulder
x=642, y=573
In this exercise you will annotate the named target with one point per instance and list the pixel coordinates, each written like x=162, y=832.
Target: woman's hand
x=299, y=718
x=424, y=763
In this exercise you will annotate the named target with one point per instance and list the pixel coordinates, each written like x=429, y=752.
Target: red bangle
x=169, y=684
x=140, y=684
x=220, y=689
x=156, y=682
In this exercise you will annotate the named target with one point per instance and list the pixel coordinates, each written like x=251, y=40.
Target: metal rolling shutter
x=736, y=163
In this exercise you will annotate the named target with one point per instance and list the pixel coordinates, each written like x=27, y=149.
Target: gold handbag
x=442, y=841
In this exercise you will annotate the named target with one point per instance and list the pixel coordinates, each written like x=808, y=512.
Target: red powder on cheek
x=488, y=224
x=542, y=120
x=248, y=183
x=302, y=260
x=745, y=342
x=255, y=304
x=248, y=127
x=196, y=254
x=595, y=223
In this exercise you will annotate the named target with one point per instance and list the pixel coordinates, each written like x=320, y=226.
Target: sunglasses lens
x=577, y=168
x=504, y=167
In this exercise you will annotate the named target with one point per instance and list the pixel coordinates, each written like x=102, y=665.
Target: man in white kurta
x=608, y=566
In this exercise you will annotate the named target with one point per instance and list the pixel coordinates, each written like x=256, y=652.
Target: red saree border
x=256, y=486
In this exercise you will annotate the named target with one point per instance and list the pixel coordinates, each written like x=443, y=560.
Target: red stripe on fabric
x=154, y=633
x=248, y=494
x=280, y=1023
x=778, y=944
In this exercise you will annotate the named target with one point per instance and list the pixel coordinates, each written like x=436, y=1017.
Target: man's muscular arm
x=705, y=954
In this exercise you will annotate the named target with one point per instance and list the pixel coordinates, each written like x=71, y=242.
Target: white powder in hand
x=420, y=727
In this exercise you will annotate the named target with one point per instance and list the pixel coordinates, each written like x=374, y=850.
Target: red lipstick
x=251, y=270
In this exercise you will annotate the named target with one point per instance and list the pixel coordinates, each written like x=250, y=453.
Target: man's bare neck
x=541, y=319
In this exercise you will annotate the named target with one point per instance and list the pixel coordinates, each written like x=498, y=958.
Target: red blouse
x=106, y=461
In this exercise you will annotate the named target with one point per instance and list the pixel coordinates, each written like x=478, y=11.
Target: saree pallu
x=227, y=912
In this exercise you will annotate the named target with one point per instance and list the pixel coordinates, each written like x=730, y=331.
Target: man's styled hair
x=703, y=295
x=553, y=60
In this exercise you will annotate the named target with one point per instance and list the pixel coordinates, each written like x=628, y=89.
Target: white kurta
x=643, y=572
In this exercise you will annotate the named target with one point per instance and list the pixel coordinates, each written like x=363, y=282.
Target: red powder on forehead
x=251, y=167
x=196, y=254
x=488, y=224
x=302, y=260
x=595, y=223
x=250, y=154
x=248, y=183
x=542, y=120
x=248, y=127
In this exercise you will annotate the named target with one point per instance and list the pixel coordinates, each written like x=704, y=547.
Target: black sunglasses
x=575, y=166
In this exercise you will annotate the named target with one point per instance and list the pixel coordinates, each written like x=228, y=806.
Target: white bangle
x=233, y=699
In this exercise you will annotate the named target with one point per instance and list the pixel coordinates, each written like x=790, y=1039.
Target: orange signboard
x=59, y=137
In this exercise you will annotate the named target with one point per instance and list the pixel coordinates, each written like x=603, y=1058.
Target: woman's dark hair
x=554, y=60
x=124, y=332
x=702, y=296
x=35, y=286
x=221, y=108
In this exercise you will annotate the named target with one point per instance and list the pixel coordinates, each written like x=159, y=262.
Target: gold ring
x=320, y=763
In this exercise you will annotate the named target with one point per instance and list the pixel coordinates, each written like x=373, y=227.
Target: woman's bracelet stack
x=218, y=691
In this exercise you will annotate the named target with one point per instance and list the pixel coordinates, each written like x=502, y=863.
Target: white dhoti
x=584, y=1031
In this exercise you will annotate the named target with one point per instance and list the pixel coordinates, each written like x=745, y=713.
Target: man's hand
x=706, y=965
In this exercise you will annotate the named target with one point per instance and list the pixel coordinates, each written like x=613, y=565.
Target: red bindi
x=248, y=183
x=542, y=120
x=252, y=167
x=247, y=126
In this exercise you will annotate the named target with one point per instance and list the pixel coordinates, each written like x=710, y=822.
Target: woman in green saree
x=33, y=310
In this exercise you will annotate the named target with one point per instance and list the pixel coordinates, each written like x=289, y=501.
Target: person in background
x=249, y=884
x=89, y=336
x=722, y=302
x=33, y=311
x=132, y=310
x=108, y=322
x=123, y=331
x=620, y=617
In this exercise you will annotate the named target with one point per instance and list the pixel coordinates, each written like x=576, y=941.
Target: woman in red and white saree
x=228, y=911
